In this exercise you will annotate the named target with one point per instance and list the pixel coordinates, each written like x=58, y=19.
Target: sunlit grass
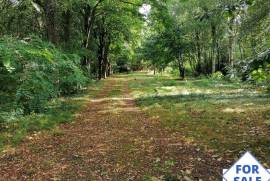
x=217, y=114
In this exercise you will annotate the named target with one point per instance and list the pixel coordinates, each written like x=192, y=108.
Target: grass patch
x=229, y=117
x=14, y=127
x=115, y=93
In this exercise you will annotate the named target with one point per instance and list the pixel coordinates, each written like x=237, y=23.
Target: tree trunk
x=199, y=53
x=102, y=53
x=66, y=27
x=100, y=62
x=106, y=58
x=181, y=66
x=89, y=21
x=89, y=18
x=49, y=9
x=105, y=64
x=214, y=48
x=231, y=41
x=253, y=47
x=109, y=70
x=218, y=56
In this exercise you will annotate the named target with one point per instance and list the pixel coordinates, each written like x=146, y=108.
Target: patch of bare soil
x=111, y=139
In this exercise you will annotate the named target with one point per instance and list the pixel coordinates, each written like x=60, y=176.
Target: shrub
x=262, y=76
x=42, y=71
x=72, y=78
x=34, y=92
x=217, y=76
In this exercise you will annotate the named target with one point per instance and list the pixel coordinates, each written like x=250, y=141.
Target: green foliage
x=34, y=91
x=43, y=72
x=262, y=76
x=259, y=75
x=19, y=126
x=217, y=76
x=15, y=126
x=71, y=78
x=209, y=35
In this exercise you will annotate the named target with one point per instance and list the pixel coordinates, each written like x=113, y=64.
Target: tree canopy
x=208, y=35
x=68, y=42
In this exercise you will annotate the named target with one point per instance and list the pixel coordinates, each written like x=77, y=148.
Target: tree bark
x=106, y=58
x=101, y=55
x=89, y=19
x=66, y=27
x=214, y=48
x=49, y=9
x=181, y=66
x=231, y=41
x=199, y=53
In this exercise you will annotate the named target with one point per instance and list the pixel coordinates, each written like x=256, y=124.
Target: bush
x=262, y=76
x=72, y=80
x=42, y=71
x=217, y=76
x=245, y=68
x=34, y=92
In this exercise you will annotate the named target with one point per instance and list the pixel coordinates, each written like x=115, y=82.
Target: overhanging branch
x=127, y=2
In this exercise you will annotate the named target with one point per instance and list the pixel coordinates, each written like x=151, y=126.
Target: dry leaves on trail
x=111, y=139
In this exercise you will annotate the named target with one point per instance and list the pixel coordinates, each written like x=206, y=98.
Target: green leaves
x=261, y=75
x=44, y=72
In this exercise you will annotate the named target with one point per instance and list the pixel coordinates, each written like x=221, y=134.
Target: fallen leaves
x=103, y=145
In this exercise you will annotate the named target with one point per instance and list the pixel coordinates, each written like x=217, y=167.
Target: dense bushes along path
x=111, y=139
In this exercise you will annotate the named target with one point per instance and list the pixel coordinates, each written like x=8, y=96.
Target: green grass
x=15, y=127
x=229, y=117
x=115, y=93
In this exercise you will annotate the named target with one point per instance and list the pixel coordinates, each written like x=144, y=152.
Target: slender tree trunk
x=181, y=66
x=106, y=58
x=231, y=41
x=109, y=70
x=89, y=20
x=66, y=27
x=105, y=64
x=87, y=27
x=205, y=64
x=49, y=9
x=253, y=47
x=102, y=53
x=214, y=48
x=241, y=50
x=199, y=53
x=218, y=56
x=101, y=63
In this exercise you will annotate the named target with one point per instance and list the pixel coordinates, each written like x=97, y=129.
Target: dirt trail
x=111, y=139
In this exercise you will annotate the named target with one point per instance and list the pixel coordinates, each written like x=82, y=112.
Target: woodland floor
x=111, y=139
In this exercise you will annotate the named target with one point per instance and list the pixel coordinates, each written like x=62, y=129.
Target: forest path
x=111, y=139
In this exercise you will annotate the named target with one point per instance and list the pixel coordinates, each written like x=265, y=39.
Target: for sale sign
x=247, y=168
